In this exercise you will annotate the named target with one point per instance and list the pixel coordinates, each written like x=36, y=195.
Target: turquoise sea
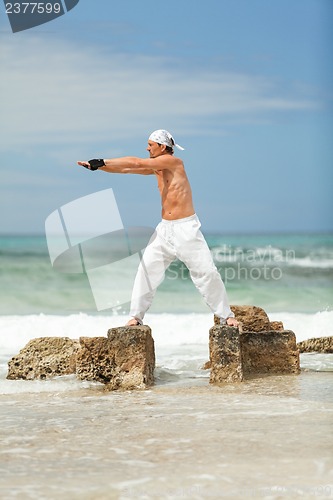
x=281, y=273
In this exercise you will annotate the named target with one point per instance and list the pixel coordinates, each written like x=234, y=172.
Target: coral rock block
x=44, y=358
x=273, y=352
x=225, y=354
x=235, y=356
x=123, y=360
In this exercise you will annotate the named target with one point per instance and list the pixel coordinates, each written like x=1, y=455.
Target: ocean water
x=281, y=273
x=265, y=438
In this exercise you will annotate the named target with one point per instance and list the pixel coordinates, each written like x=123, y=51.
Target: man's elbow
x=140, y=164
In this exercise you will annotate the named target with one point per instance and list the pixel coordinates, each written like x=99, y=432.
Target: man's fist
x=93, y=164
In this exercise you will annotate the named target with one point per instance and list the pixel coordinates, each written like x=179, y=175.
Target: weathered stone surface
x=276, y=326
x=271, y=352
x=207, y=365
x=252, y=318
x=44, y=358
x=123, y=360
x=235, y=356
x=321, y=344
x=225, y=354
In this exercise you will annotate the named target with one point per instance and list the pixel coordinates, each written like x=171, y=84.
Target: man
x=178, y=235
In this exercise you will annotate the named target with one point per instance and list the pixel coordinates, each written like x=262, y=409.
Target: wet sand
x=265, y=438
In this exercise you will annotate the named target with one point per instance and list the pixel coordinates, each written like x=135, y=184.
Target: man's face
x=155, y=149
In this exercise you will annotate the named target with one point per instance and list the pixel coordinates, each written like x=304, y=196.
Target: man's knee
x=206, y=273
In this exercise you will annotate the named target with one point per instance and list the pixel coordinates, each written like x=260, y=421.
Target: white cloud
x=55, y=91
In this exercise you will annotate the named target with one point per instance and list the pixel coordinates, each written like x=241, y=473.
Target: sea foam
x=168, y=329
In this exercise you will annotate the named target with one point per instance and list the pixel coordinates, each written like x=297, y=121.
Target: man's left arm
x=127, y=165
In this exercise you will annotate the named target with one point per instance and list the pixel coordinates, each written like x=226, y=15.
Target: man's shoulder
x=166, y=162
x=172, y=160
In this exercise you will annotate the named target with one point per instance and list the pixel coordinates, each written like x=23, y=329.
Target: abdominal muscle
x=176, y=195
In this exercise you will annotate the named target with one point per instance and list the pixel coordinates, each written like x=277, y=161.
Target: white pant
x=179, y=239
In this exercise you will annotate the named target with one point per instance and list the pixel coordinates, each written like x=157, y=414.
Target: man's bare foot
x=132, y=322
x=232, y=322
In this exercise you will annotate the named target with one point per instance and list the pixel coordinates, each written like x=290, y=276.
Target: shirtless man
x=178, y=235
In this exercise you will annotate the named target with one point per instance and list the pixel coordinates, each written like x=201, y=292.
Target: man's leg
x=156, y=258
x=192, y=249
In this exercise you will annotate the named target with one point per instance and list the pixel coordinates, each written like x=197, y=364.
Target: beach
x=265, y=438
x=268, y=437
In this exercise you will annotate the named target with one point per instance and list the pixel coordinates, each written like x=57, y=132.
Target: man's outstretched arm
x=126, y=165
x=129, y=165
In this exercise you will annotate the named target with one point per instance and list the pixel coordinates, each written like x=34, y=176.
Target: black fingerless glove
x=95, y=164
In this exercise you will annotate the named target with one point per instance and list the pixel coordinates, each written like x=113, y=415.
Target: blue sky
x=244, y=86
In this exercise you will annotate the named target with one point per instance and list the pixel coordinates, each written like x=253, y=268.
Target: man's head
x=161, y=142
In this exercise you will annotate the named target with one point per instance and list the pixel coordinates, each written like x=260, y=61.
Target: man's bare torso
x=175, y=190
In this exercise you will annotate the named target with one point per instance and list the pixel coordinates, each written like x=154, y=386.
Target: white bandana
x=164, y=137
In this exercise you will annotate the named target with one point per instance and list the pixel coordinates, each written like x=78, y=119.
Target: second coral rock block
x=124, y=360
